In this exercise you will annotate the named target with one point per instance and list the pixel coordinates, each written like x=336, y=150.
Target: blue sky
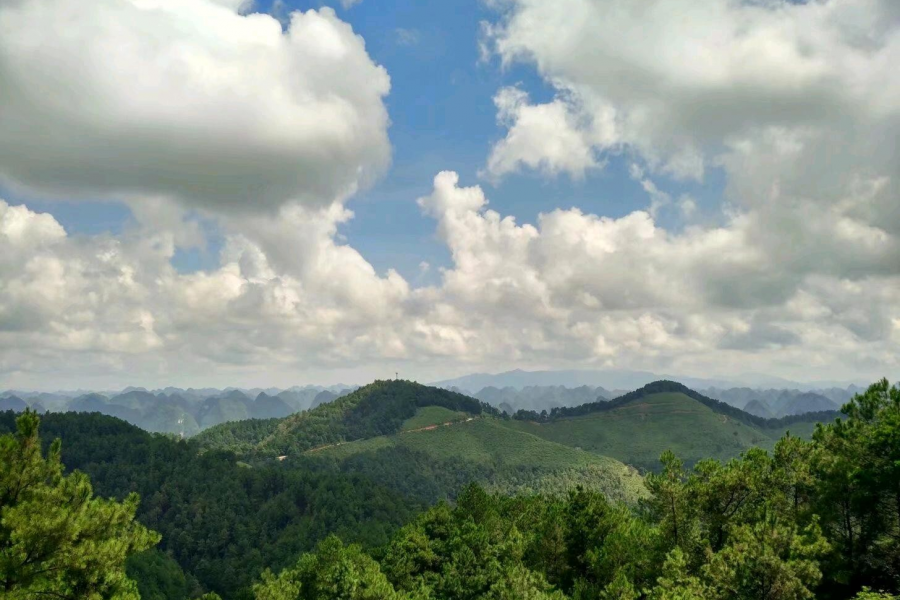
x=719, y=189
x=443, y=118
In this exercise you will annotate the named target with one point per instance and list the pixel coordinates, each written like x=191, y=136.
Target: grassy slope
x=517, y=461
x=380, y=408
x=432, y=415
x=638, y=432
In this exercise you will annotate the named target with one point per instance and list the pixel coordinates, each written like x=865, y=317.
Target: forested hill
x=673, y=387
x=638, y=427
x=377, y=409
x=222, y=523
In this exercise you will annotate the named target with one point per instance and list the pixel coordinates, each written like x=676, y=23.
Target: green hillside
x=484, y=450
x=425, y=442
x=429, y=416
x=380, y=408
x=640, y=426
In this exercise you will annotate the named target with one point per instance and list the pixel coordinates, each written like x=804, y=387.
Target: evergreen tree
x=56, y=539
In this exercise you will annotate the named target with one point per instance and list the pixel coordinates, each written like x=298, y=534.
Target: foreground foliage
x=56, y=539
x=817, y=519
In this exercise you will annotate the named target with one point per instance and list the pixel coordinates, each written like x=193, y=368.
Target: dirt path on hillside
x=418, y=429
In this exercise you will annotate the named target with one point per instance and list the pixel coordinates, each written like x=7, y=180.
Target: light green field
x=432, y=415
x=639, y=432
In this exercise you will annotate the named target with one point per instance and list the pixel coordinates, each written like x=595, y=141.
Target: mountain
x=423, y=441
x=137, y=399
x=89, y=403
x=13, y=403
x=541, y=397
x=169, y=417
x=626, y=379
x=151, y=412
x=758, y=408
x=806, y=403
x=377, y=409
x=436, y=460
x=607, y=378
x=269, y=407
x=298, y=399
x=777, y=398
x=637, y=427
x=231, y=406
x=323, y=397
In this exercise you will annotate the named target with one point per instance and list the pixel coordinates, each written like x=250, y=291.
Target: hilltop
x=426, y=441
x=635, y=428
x=664, y=415
x=380, y=408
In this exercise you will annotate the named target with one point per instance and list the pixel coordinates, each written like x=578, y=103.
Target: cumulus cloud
x=626, y=291
x=299, y=299
x=573, y=288
x=679, y=79
x=202, y=109
x=543, y=137
x=188, y=99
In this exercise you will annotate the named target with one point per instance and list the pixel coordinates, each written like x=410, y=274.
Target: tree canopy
x=57, y=540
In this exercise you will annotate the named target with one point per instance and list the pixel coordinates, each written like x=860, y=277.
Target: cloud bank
x=192, y=106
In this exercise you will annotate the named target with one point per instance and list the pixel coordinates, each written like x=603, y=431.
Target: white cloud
x=573, y=288
x=680, y=79
x=627, y=292
x=268, y=133
x=187, y=99
x=71, y=301
x=543, y=137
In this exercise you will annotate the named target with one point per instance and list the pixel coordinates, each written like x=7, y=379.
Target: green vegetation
x=221, y=524
x=56, y=539
x=484, y=450
x=816, y=518
x=240, y=437
x=159, y=577
x=637, y=433
x=812, y=519
x=640, y=426
x=432, y=415
x=380, y=408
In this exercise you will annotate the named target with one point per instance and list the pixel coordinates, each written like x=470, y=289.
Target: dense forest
x=810, y=519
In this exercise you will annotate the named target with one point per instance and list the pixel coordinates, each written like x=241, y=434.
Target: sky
x=211, y=192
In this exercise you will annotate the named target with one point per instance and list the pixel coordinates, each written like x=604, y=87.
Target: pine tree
x=56, y=539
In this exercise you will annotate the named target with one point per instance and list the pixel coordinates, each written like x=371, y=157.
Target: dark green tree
x=56, y=539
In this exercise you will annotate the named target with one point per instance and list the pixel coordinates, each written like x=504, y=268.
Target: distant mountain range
x=186, y=412
x=178, y=411
x=624, y=379
x=375, y=425
x=762, y=402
